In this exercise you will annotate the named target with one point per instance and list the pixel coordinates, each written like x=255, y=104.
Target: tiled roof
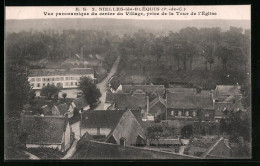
x=128, y=101
x=101, y=150
x=220, y=149
x=60, y=72
x=165, y=141
x=159, y=89
x=156, y=100
x=227, y=90
x=44, y=130
x=110, y=97
x=62, y=108
x=101, y=118
x=182, y=90
x=189, y=101
x=129, y=128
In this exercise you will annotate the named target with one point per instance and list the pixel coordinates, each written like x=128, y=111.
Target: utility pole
x=81, y=112
x=166, y=104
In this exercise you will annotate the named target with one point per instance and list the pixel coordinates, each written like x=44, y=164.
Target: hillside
x=120, y=26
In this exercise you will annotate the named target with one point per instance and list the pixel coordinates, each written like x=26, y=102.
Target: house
x=219, y=150
x=158, y=107
x=149, y=89
x=130, y=101
x=99, y=123
x=110, y=99
x=113, y=84
x=77, y=103
x=124, y=101
x=198, y=146
x=136, y=101
x=102, y=150
x=46, y=132
x=60, y=110
x=190, y=106
x=128, y=131
x=62, y=78
x=223, y=109
x=181, y=90
x=227, y=93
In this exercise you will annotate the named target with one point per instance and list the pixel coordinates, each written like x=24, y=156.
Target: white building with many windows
x=63, y=78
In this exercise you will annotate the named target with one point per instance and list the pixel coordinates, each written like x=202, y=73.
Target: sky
x=237, y=12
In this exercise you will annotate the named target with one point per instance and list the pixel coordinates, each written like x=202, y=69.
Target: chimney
x=198, y=90
x=81, y=53
x=122, y=142
x=147, y=104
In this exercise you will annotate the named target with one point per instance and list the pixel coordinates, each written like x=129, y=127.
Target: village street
x=103, y=89
x=103, y=85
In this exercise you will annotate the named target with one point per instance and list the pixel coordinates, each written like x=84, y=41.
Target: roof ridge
x=211, y=148
x=195, y=157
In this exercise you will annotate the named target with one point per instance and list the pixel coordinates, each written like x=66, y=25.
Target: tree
x=90, y=91
x=49, y=91
x=64, y=95
x=17, y=90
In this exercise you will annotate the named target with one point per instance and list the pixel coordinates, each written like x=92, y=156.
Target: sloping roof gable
x=129, y=128
x=44, y=130
x=101, y=118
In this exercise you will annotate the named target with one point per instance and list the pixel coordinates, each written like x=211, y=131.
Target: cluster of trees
x=237, y=125
x=159, y=130
x=231, y=47
x=91, y=93
x=55, y=45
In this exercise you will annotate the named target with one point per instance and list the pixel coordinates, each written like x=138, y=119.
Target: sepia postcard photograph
x=127, y=82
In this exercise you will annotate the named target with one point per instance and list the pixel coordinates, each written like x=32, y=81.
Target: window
x=179, y=113
x=32, y=84
x=38, y=79
x=71, y=78
x=66, y=78
x=76, y=83
x=187, y=113
x=43, y=84
x=43, y=79
x=38, y=85
x=48, y=79
x=194, y=113
x=52, y=83
x=206, y=115
x=67, y=84
x=52, y=79
x=62, y=78
x=71, y=83
x=172, y=113
x=32, y=79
